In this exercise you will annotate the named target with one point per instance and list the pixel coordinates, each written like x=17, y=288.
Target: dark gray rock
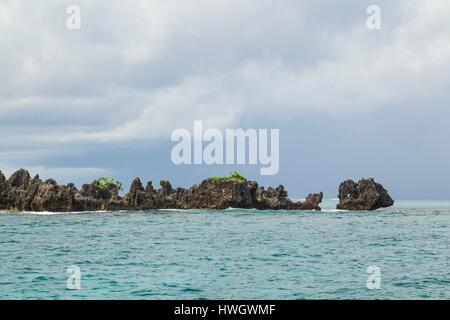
x=149, y=188
x=92, y=197
x=311, y=202
x=49, y=196
x=364, y=195
x=19, y=179
x=20, y=192
x=4, y=192
x=137, y=198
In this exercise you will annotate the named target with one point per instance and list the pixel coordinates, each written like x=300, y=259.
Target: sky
x=350, y=102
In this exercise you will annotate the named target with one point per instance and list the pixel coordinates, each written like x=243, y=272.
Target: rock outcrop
x=49, y=196
x=21, y=193
x=364, y=195
x=4, y=192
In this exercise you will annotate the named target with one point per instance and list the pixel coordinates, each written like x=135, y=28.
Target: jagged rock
x=165, y=188
x=311, y=202
x=20, y=192
x=17, y=196
x=217, y=194
x=221, y=194
x=149, y=188
x=364, y=195
x=273, y=198
x=136, y=186
x=50, y=196
x=93, y=190
x=82, y=203
x=19, y=179
x=137, y=198
x=93, y=198
x=4, y=190
x=70, y=185
x=30, y=193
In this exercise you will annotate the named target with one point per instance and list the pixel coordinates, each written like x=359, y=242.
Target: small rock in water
x=364, y=195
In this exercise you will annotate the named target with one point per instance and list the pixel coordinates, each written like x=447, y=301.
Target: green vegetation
x=103, y=182
x=233, y=176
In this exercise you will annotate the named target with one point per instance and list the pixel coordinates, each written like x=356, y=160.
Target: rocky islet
x=22, y=193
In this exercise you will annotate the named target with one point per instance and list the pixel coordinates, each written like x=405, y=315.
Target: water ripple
x=229, y=254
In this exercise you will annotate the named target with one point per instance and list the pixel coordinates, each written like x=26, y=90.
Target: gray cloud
x=135, y=72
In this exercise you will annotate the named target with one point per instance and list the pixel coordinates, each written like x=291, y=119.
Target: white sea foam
x=45, y=213
x=52, y=213
x=334, y=210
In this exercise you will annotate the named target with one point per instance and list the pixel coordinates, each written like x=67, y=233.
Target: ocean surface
x=229, y=254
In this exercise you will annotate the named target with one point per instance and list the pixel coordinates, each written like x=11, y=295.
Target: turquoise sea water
x=229, y=254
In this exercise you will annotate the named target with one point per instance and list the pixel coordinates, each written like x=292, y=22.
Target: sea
x=402, y=252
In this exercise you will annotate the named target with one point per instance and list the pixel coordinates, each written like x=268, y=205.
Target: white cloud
x=140, y=70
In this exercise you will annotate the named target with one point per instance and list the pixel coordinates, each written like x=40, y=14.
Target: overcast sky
x=349, y=102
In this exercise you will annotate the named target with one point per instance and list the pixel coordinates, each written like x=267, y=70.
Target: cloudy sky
x=349, y=102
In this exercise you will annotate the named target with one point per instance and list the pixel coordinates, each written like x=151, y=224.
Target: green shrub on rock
x=234, y=176
x=103, y=182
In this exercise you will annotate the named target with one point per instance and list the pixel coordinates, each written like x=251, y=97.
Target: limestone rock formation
x=19, y=179
x=92, y=197
x=4, y=192
x=364, y=195
x=22, y=193
x=49, y=196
